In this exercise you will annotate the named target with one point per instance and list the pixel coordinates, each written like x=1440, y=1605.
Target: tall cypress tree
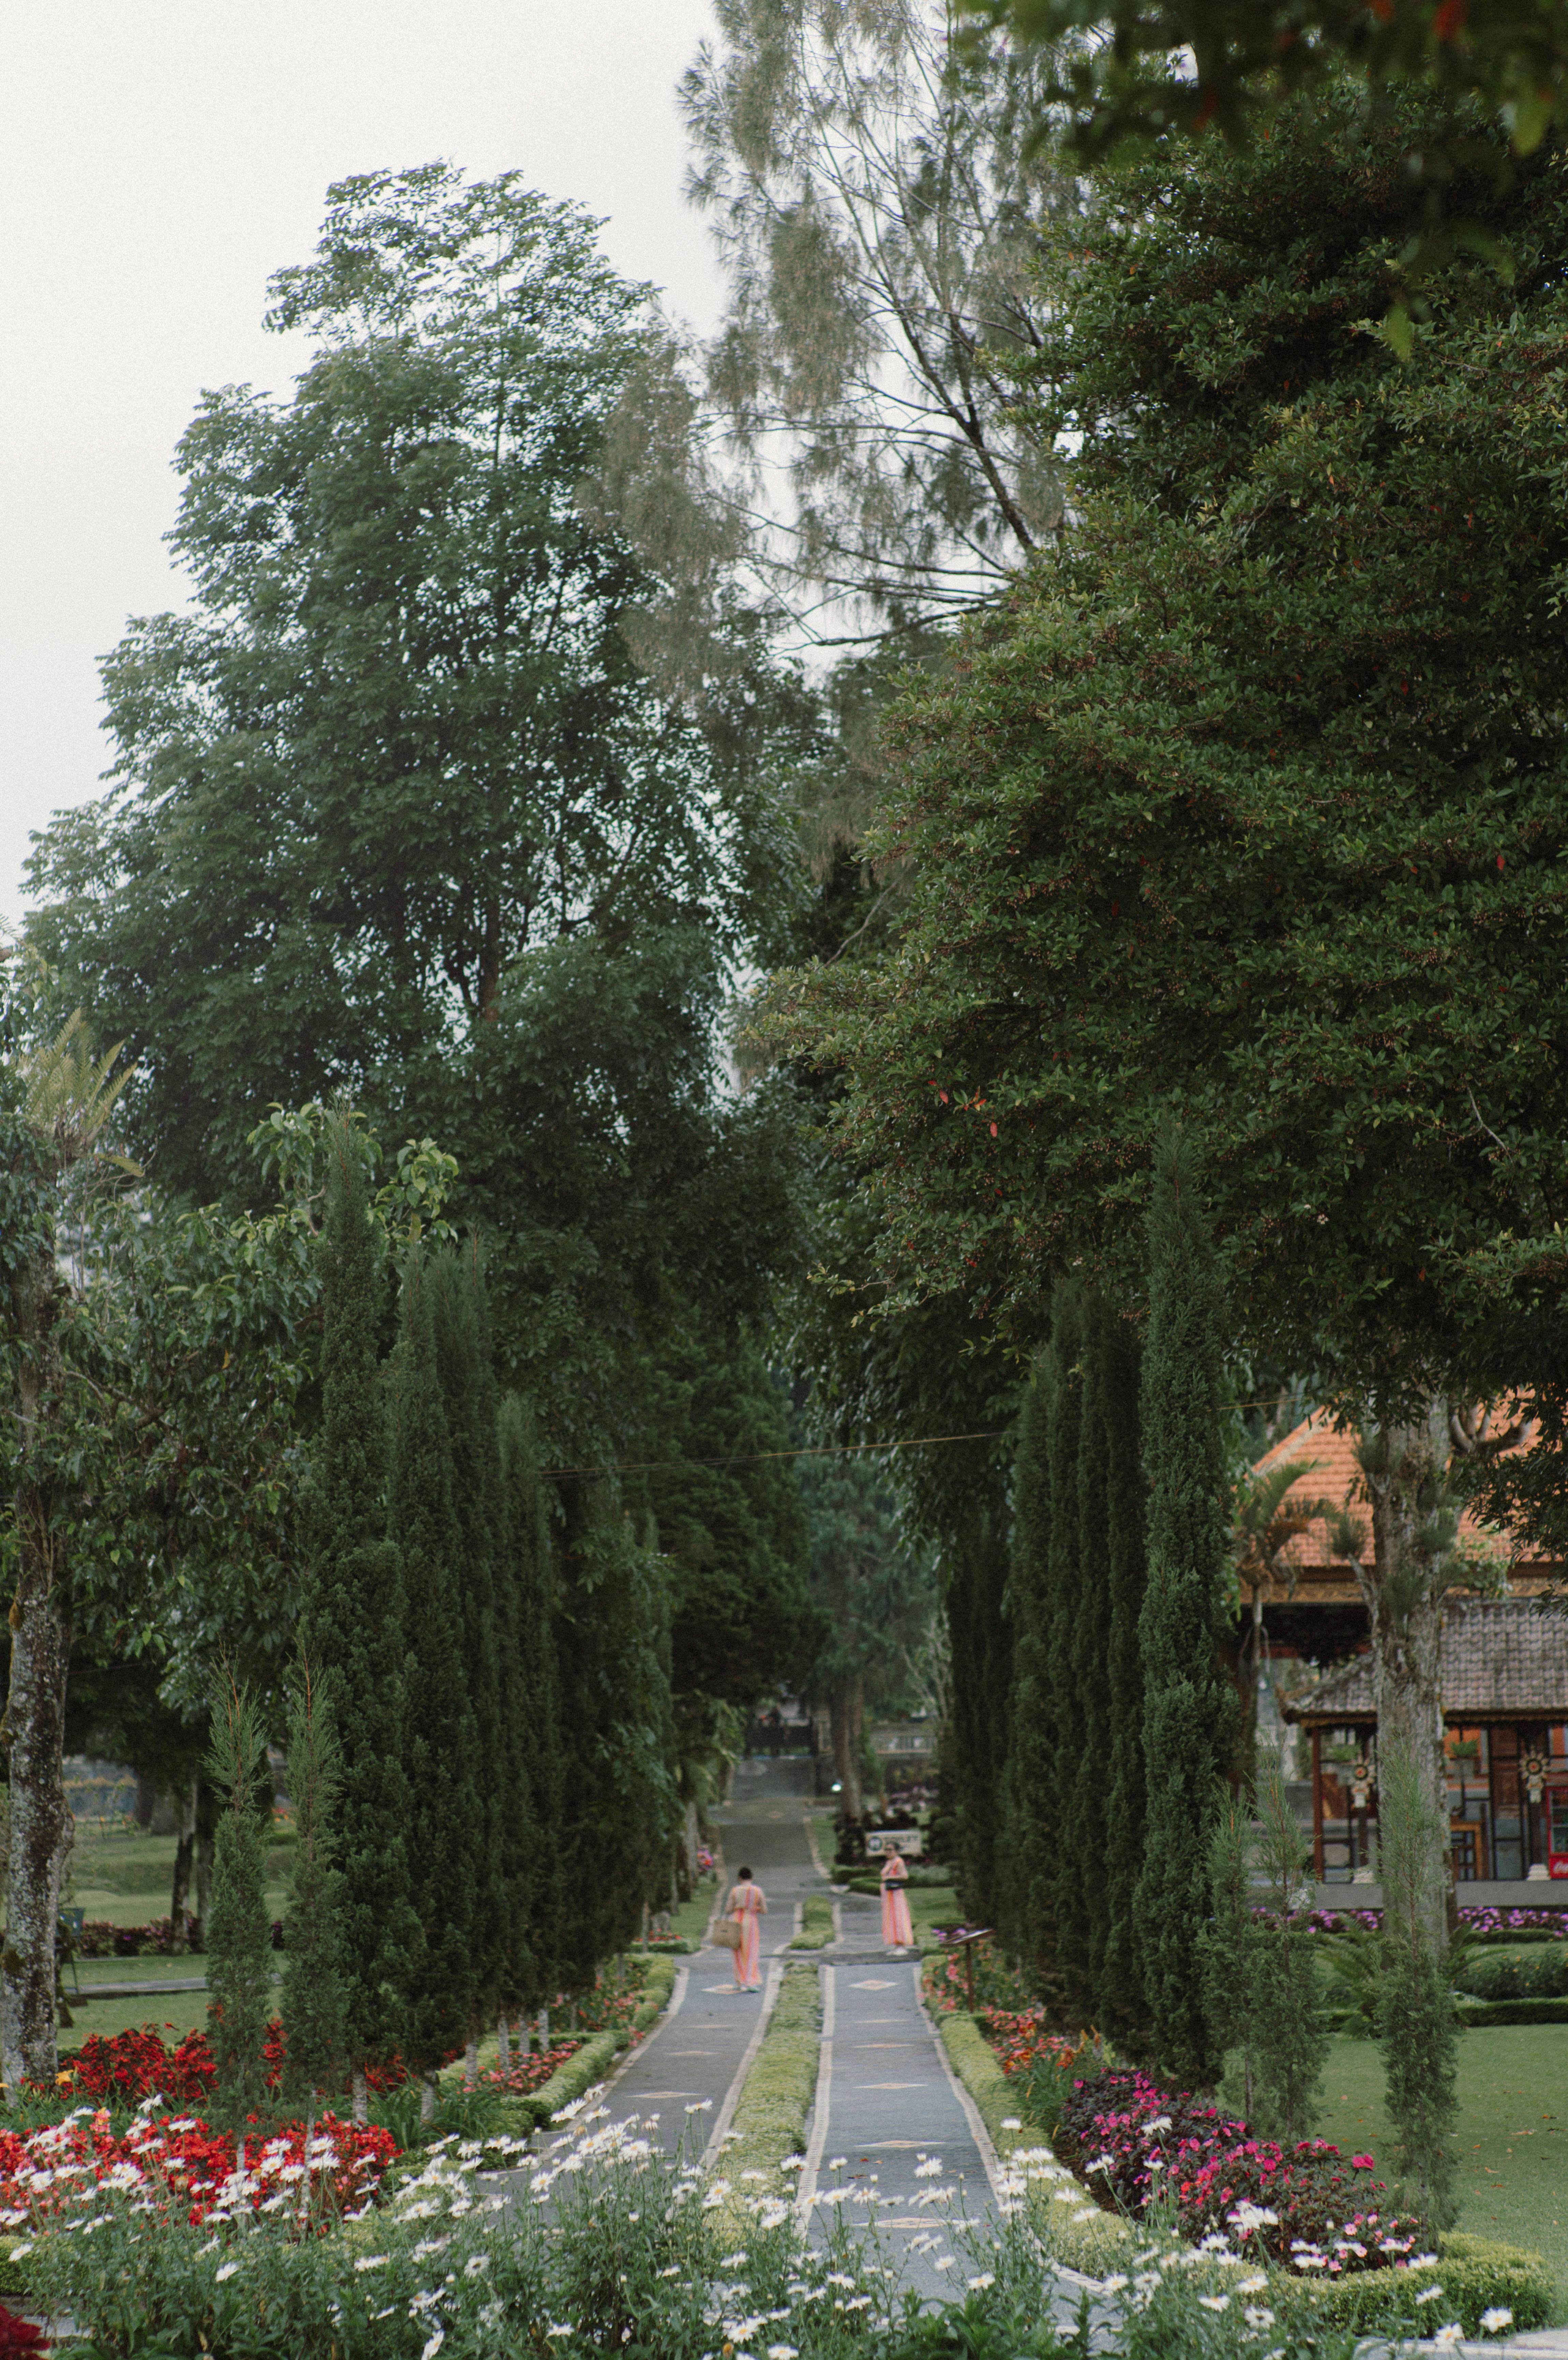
x=1119, y=1995
x=313, y=2007
x=351, y=1617
x=1029, y=1920
x=468, y=1397
x=1086, y=1800
x=620, y=1796
x=438, y=1730
x=526, y=1631
x=981, y=1635
x=1064, y=1446
x=1190, y=1706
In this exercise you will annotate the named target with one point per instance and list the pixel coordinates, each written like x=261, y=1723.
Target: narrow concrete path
x=696, y=2055
x=892, y=2128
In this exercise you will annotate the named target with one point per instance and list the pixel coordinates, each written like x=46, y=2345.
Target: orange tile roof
x=1335, y=1476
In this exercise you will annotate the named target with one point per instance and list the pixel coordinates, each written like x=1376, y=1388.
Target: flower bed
x=1306, y=2207
x=530, y=2073
x=177, y=2165
x=997, y=1986
x=132, y=2066
x=1487, y=1925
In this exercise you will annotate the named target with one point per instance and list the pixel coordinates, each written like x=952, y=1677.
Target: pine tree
x=1029, y=1921
x=468, y=1395
x=1086, y=1797
x=350, y=1618
x=526, y=1620
x=1063, y=1447
x=438, y=1730
x=313, y=2009
x=1122, y=2010
x=239, y=1931
x=1189, y=1707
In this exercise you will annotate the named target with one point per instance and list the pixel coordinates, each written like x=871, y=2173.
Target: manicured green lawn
x=931, y=1906
x=170, y=2012
x=690, y=1919
x=128, y=1879
x=1513, y=2130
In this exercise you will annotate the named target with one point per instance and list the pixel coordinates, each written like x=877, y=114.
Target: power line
x=754, y=1457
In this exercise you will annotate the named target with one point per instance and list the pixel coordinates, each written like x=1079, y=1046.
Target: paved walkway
x=698, y=2053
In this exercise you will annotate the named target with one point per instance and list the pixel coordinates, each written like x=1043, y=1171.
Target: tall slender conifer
x=981, y=1635
x=1064, y=1449
x=1119, y=1996
x=527, y=1618
x=439, y=1731
x=468, y=1396
x=1190, y=1706
x=1086, y=1799
x=1029, y=1881
x=312, y=2004
x=351, y=1617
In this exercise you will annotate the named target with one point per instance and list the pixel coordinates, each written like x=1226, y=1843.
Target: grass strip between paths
x=774, y=2102
x=816, y=1923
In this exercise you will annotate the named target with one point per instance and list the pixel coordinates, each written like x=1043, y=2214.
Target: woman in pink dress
x=749, y=1907
x=897, y=1930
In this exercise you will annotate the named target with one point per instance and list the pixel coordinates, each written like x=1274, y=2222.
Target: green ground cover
x=1513, y=2131
x=170, y=2012
x=816, y=1923
x=690, y=1919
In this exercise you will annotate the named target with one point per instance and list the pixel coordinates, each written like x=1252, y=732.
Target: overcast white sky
x=162, y=158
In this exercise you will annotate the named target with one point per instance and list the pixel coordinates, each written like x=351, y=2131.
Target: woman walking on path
x=749, y=1907
x=897, y=1931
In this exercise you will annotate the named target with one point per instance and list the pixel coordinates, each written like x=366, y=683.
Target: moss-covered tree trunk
x=40, y=1654
x=1404, y=1469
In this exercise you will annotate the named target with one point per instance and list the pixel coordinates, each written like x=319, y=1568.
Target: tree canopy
x=1247, y=806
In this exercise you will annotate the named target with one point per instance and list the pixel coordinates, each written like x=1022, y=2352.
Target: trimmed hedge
x=1500, y=1971
x=816, y=1923
x=599, y=2051
x=1474, y=2012
x=1475, y=2274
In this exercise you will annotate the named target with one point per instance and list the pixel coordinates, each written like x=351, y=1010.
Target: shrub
x=1539, y=1973
x=945, y=1979
x=1476, y=2275
x=1305, y=2207
x=133, y=2065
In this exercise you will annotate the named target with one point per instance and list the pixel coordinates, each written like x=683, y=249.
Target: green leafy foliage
x=1243, y=807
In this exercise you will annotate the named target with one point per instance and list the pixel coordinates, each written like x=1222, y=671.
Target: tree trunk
x=146, y=1800
x=34, y=1726
x=360, y=2101
x=502, y=2047
x=205, y=1837
x=1405, y=1605
x=845, y=1704
x=184, y=1862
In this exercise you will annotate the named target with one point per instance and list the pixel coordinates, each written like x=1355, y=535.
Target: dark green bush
x=1539, y=1973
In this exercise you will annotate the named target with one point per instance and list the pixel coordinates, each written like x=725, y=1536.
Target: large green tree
x=396, y=812
x=1248, y=808
x=874, y=1586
